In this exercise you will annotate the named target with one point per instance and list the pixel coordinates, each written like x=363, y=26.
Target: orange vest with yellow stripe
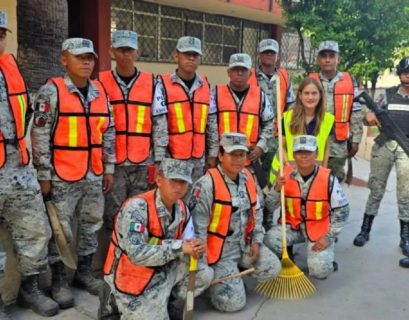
x=130, y=278
x=17, y=96
x=187, y=119
x=317, y=210
x=343, y=101
x=281, y=92
x=219, y=222
x=245, y=121
x=77, y=136
x=133, y=123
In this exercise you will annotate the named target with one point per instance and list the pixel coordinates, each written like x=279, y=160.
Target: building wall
x=9, y=6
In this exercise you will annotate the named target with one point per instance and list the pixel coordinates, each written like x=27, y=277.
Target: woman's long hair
x=298, y=123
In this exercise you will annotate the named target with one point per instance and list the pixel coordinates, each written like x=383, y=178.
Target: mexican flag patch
x=137, y=227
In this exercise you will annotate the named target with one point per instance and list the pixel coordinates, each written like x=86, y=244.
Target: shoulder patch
x=137, y=227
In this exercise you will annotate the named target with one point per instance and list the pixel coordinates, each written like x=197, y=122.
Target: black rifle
x=388, y=127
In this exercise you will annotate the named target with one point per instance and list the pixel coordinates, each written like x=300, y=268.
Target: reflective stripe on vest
x=17, y=97
x=133, y=123
x=77, y=136
x=219, y=222
x=322, y=137
x=186, y=119
x=130, y=278
x=343, y=101
x=317, y=210
x=245, y=121
x=282, y=84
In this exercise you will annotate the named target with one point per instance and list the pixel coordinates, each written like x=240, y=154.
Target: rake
x=291, y=283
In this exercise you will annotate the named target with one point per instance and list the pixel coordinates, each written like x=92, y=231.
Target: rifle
x=388, y=127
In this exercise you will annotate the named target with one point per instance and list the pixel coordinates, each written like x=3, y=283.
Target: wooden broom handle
x=281, y=159
x=233, y=276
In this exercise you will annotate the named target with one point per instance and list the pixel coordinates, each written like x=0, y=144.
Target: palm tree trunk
x=42, y=26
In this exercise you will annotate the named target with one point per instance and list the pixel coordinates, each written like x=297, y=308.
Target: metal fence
x=290, y=51
x=160, y=26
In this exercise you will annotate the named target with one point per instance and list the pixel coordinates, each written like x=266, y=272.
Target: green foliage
x=370, y=33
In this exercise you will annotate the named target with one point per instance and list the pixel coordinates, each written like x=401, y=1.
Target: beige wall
x=9, y=6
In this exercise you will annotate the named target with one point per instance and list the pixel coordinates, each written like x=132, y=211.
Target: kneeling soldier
x=147, y=262
x=316, y=208
x=227, y=214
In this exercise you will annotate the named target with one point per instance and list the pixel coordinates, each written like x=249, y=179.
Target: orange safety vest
x=130, y=278
x=343, y=101
x=284, y=85
x=317, y=210
x=17, y=96
x=133, y=123
x=77, y=136
x=219, y=222
x=245, y=121
x=187, y=119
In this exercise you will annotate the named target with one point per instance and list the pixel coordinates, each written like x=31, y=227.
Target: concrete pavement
x=368, y=285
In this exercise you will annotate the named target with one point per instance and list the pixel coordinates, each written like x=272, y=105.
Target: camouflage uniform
x=161, y=142
x=85, y=197
x=230, y=296
x=386, y=153
x=320, y=263
x=21, y=204
x=172, y=266
x=339, y=150
x=129, y=179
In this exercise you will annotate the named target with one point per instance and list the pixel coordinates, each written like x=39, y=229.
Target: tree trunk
x=374, y=80
x=42, y=26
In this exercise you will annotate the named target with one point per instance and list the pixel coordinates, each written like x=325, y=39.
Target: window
x=159, y=27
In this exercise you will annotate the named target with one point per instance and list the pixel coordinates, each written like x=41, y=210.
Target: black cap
x=403, y=66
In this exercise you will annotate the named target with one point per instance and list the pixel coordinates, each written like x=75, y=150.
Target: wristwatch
x=177, y=245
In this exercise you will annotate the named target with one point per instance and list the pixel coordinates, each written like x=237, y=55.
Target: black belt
x=10, y=141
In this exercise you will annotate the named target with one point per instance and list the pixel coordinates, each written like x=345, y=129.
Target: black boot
x=363, y=236
x=404, y=263
x=404, y=237
x=3, y=313
x=84, y=278
x=60, y=291
x=30, y=296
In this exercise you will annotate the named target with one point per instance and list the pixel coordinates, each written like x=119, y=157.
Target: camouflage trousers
x=3, y=261
x=337, y=166
x=230, y=296
x=383, y=158
x=22, y=212
x=85, y=200
x=320, y=263
x=128, y=181
x=171, y=279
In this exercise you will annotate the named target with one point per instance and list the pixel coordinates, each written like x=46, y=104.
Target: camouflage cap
x=305, y=143
x=4, y=21
x=268, y=45
x=240, y=60
x=177, y=169
x=77, y=46
x=124, y=38
x=232, y=141
x=186, y=44
x=328, y=45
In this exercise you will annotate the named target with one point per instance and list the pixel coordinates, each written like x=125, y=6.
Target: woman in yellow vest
x=308, y=116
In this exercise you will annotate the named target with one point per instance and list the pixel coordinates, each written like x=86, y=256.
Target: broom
x=291, y=283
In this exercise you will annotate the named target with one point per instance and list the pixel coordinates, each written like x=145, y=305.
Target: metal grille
x=159, y=27
x=290, y=51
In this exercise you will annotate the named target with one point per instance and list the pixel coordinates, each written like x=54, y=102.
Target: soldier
x=386, y=153
x=316, y=208
x=148, y=259
x=277, y=85
x=21, y=206
x=227, y=215
x=130, y=92
x=192, y=125
x=340, y=89
x=74, y=154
